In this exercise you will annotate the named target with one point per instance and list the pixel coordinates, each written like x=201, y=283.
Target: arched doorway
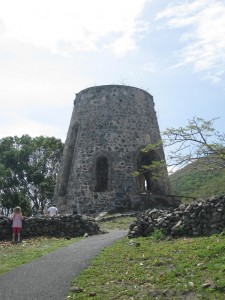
x=147, y=178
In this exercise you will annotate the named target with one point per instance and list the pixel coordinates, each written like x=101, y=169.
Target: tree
x=199, y=143
x=29, y=170
x=151, y=169
x=155, y=165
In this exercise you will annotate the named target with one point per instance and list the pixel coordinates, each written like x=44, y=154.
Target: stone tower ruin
x=110, y=125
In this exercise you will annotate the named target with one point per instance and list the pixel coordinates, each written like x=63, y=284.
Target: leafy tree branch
x=199, y=143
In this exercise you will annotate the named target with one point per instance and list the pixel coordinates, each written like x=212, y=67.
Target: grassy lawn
x=14, y=255
x=144, y=268
x=117, y=223
x=154, y=268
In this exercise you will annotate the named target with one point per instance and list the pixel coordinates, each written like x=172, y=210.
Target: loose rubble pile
x=60, y=226
x=200, y=218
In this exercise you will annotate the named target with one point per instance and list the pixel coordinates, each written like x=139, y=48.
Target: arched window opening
x=144, y=182
x=146, y=179
x=102, y=174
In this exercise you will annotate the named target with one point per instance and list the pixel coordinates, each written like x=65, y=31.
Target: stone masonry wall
x=109, y=125
x=60, y=226
x=200, y=218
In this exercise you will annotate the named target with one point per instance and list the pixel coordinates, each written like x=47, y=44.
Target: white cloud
x=204, y=40
x=65, y=26
x=119, y=46
x=149, y=68
x=33, y=76
x=18, y=125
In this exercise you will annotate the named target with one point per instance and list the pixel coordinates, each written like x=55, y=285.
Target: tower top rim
x=115, y=86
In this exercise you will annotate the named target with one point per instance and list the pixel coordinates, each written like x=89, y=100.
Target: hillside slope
x=200, y=184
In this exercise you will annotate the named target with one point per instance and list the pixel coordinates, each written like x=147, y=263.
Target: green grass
x=186, y=268
x=143, y=268
x=196, y=183
x=117, y=223
x=14, y=255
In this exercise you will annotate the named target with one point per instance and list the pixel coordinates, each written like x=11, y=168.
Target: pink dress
x=17, y=221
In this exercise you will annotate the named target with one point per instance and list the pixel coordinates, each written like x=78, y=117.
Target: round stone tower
x=109, y=126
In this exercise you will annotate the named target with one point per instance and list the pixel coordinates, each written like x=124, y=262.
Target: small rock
x=166, y=293
x=76, y=289
x=92, y=294
x=206, y=285
x=153, y=293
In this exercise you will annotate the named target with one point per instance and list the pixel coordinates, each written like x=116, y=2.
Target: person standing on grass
x=17, y=218
x=52, y=211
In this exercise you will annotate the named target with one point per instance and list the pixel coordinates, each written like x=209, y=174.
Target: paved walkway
x=50, y=276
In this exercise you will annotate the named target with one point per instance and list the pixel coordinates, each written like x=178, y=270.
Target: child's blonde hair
x=17, y=210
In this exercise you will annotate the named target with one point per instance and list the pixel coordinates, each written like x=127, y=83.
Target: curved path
x=50, y=276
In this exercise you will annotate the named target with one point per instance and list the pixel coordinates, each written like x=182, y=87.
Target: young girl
x=17, y=218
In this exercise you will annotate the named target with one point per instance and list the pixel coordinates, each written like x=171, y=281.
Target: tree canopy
x=28, y=170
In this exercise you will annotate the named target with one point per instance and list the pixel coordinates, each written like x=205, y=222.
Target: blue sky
x=52, y=49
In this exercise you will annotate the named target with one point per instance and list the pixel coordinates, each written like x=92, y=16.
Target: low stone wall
x=60, y=226
x=200, y=218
